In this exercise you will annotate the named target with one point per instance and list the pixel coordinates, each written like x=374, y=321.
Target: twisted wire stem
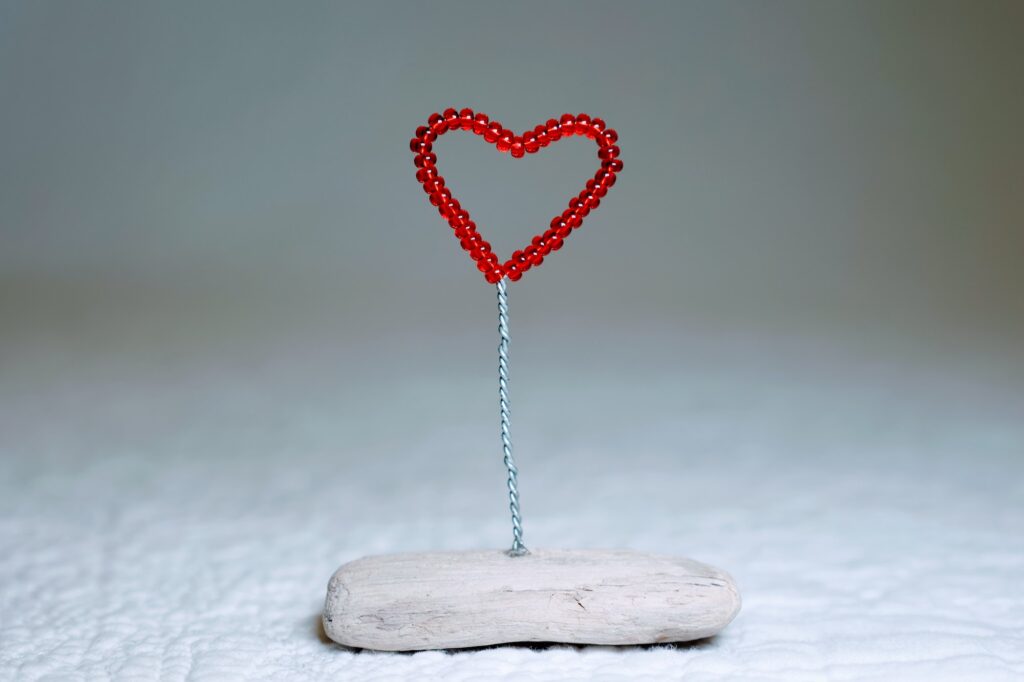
x=518, y=548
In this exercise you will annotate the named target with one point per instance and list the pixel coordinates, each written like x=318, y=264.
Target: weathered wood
x=446, y=600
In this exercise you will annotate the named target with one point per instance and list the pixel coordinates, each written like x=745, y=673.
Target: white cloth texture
x=171, y=507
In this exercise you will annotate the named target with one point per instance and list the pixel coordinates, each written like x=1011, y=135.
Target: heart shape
x=505, y=140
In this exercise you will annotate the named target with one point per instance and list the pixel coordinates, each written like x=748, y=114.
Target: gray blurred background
x=857, y=165
x=224, y=298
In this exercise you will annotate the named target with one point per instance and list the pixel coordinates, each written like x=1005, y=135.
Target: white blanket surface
x=172, y=502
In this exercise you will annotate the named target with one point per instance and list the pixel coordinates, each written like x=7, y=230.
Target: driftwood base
x=447, y=600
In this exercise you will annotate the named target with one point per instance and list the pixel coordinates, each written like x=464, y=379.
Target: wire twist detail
x=518, y=548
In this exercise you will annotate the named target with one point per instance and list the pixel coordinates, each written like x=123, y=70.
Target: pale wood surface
x=442, y=600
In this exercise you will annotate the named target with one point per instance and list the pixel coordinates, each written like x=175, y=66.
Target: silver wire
x=518, y=548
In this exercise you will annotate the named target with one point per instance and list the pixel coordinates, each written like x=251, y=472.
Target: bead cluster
x=505, y=140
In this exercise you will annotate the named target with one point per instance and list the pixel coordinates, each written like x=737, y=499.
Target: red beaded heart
x=531, y=141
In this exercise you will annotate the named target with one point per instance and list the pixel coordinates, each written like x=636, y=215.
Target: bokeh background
x=238, y=347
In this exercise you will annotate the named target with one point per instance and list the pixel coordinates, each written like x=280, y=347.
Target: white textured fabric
x=171, y=507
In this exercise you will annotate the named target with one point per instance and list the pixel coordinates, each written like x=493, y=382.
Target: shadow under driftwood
x=694, y=645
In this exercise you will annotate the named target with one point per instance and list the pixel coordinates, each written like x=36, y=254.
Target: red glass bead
x=571, y=218
x=434, y=119
x=470, y=241
x=428, y=159
x=418, y=145
x=466, y=118
x=554, y=129
x=609, y=152
x=442, y=196
x=493, y=132
x=513, y=272
x=480, y=122
x=556, y=243
x=485, y=247
x=560, y=227
x=614, y=165
x=567, y=125
x=483, y=265
x=541, y=134
x=596, y=188
x=519, y=257
x=534, y=255
x=598, y=125
x=518, y=149
x=449, y=208
x=494, y=276
x=530, y=143
x=582, y=126
x=590, y=200
x=449, y=115
x=426, y=174
x=505, y=141
x=426, y=133
x=611, y=136
x=606, y=177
